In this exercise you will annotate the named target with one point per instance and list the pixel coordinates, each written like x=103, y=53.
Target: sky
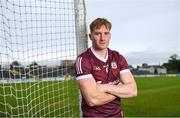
x=37, y=30
x=144, y=31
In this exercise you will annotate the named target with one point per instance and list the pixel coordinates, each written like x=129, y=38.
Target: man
x=103, y=75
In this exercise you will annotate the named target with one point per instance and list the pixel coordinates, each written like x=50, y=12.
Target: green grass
x=35, y=99
x=157, y=97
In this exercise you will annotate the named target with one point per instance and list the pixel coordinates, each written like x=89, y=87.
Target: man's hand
x=125, y=89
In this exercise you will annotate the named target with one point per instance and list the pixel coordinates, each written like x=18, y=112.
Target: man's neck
x=101, y=53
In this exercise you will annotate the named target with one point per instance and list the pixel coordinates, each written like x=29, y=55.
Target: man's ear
x=90, y=36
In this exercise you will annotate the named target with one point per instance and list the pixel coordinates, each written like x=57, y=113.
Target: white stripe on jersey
x=84, y=76
x=78, y=65
x=124, y=71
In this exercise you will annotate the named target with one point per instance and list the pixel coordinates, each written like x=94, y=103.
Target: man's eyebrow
x=97, y=32
x=102, y=32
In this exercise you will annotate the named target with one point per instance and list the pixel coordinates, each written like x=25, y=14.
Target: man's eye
x=99, y=33
x=106, y=33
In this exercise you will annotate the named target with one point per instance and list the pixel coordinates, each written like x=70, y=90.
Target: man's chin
x=104, y=48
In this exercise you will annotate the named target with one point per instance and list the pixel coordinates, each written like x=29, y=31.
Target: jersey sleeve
x=123, y=64
x=82, y=68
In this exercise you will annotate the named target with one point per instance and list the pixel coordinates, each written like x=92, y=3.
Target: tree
x=173, y=57
x=33, y=65
x=33, y=70
x=173, y=65
x=14, y=65
x=17, y=71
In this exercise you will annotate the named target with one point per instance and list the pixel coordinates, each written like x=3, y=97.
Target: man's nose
x=102, y=37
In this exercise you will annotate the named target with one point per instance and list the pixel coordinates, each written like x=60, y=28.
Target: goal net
x=39, y=41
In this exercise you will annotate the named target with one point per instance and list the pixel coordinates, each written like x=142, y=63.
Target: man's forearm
x=93, y=93
x=102, y=98
x=120, y=90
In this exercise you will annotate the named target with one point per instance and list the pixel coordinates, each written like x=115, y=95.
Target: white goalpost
x=39, y=41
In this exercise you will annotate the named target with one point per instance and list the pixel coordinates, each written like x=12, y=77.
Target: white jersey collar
x=97, y=56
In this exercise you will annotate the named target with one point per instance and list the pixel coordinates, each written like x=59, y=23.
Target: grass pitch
x=39, y=99
x=157, y=97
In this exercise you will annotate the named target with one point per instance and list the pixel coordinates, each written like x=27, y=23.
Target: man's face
x=100, y=38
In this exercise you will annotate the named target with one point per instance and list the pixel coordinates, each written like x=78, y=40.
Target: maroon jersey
x=104, y=71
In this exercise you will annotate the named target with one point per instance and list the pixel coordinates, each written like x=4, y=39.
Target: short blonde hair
x=97, y=23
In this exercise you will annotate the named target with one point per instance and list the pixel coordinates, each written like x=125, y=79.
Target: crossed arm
x=93, y=93
x=99, y=94
x=125, y=89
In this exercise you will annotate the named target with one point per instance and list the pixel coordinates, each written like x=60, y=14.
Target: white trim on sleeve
x=84, y=76
x=124, y=71
x=78, y=65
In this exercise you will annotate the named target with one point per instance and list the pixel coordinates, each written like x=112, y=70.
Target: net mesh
x=38, y=44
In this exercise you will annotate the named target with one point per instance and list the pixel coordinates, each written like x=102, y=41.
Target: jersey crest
x=113, y=65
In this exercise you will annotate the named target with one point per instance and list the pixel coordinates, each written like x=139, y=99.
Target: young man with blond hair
x=103, y=75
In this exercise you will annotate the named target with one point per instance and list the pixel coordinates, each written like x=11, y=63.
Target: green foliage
x=173, y=65
x=14, y=64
